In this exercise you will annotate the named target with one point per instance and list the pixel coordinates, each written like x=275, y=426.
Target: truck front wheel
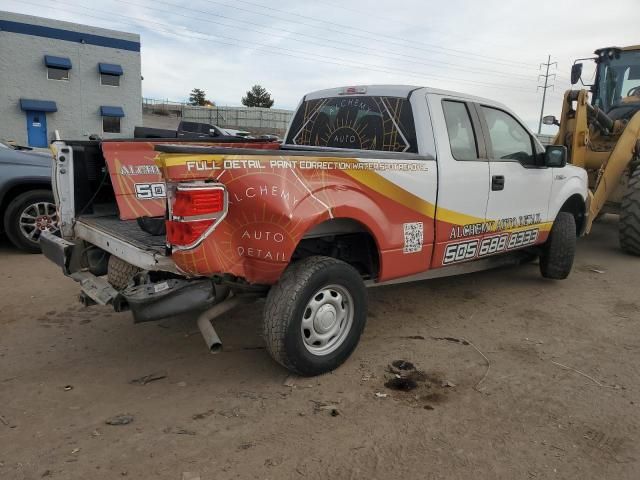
x=314, y=315
x=558, y=252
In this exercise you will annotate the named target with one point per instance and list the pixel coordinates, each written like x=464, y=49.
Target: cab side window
x=462, y=137
x=509, y=139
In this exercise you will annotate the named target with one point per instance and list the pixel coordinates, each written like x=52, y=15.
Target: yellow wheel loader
x=600, y=126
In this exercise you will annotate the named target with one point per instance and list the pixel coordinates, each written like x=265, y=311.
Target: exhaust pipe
x=209, y=334
x=211, y=338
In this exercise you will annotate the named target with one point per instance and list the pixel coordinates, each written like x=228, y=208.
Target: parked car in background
x=189, y=130
x=26, y=202
x=237, y=133
x=13, y=146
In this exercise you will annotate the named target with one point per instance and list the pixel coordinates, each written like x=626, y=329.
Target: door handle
x=497, y=182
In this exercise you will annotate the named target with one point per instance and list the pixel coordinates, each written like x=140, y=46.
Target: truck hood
x=28, y=158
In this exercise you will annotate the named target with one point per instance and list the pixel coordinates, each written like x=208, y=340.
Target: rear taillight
x=195, y=209
x=186, y=233
x=196, y=201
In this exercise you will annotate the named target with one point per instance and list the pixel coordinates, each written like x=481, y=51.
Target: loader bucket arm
x=574, y=128
x=614, y=167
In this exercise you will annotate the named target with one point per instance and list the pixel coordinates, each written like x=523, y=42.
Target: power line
x=170, y=29
x=387, y=18
x=545, y=87
x=378, y=34
x=395, y=55
x=372, y=35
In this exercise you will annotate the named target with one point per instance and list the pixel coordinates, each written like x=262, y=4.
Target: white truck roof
x=392, y=91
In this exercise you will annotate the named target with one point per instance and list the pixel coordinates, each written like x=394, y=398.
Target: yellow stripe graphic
x=369, y=178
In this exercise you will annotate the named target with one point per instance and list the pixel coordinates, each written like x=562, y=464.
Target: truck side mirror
x=555, y=156
x=550, y=120
x=576, y=73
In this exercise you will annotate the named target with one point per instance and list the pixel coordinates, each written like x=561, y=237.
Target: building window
x=57, y=67
x=111, y=124
x=110, y=74
x=109, y=80
x=111, y=118
x=57, y=74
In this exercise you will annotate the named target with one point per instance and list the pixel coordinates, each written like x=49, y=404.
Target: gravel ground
x=560, y=399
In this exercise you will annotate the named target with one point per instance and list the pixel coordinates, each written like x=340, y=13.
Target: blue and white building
x=76, y=79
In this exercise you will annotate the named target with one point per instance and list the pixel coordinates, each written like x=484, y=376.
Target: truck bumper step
x=56, y=249
x=154, y=301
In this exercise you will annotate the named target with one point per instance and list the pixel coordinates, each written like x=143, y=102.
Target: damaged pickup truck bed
x=373, y=185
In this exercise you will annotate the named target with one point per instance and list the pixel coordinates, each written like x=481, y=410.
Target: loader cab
x=616, y=86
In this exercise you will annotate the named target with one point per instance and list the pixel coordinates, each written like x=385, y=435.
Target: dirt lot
x=64, y=370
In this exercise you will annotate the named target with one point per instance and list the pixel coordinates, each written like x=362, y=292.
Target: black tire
x=26, y=238
x=629, y=225
x=287, y=303
x=560, y=248
x=119, y=273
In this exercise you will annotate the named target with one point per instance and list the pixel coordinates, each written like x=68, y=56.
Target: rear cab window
x=195, y=127
x=381, y=123
x=462, y=136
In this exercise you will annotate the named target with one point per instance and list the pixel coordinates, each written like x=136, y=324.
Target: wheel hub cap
x=325, y=318
x=43, y=222
x=37, y=218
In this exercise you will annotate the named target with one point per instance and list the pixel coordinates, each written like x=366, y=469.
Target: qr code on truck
x=413, y=237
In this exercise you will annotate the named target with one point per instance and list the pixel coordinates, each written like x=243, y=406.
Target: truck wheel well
x=575, y=206
x=345, y=239
x=16, y=190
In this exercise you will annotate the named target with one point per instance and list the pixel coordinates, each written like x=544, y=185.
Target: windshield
x=358, y=122
x=618, y=81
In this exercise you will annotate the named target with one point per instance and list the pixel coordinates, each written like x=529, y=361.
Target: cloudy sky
x=490, y=48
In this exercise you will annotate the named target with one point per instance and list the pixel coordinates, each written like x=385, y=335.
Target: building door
x=37, y=128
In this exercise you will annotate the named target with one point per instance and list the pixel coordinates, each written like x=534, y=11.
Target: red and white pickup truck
x=373, y=185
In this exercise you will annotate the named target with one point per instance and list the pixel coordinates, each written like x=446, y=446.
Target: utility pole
x=546, y=85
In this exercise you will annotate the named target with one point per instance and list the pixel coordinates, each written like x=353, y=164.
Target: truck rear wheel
x=558, y=252
x=314, y=315
x=629, y=225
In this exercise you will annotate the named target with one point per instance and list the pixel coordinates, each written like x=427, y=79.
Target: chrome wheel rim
x=37, y=218
x=327, y=320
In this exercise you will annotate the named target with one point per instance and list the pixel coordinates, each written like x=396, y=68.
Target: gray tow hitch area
x=153, y=301
x=168, y=298
x=147, y=301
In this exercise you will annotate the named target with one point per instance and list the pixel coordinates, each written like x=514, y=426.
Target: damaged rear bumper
x=168, y=298
x=147, y=302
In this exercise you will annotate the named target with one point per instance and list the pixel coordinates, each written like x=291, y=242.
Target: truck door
x=520, y=186
x=463, y=180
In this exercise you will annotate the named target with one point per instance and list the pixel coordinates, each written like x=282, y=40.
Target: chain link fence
x=253, y=119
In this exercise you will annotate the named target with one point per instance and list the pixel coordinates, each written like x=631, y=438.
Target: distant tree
x=197, y=97
x=257, y=97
